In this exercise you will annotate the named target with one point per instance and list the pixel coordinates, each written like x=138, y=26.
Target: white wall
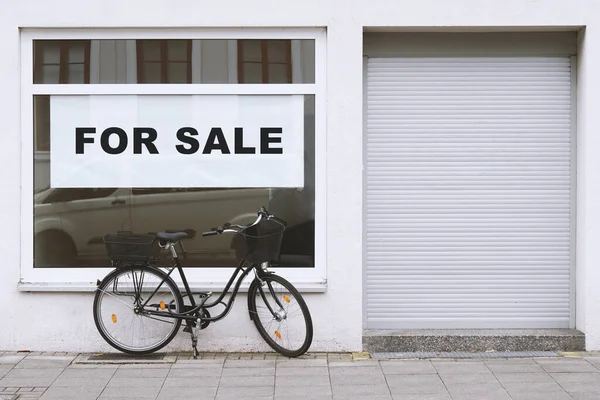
x=64, y=322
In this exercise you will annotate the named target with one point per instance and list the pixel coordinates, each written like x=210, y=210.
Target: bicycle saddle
x=171, y=237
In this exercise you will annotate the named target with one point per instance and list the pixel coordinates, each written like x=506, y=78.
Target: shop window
x=61, y=61
x=164, y=61
x=68, y=223
x=264, y=61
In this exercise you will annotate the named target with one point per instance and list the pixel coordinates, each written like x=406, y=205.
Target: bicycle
x=123, y=304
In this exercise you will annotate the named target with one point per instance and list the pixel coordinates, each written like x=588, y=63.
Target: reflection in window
x=70, y=223
x=61, y=61
x=164, y=61
x=264, y=61
x=211, y=61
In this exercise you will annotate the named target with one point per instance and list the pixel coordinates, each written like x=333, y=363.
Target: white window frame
x=84, y=279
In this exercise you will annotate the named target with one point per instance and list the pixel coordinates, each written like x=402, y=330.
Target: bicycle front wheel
x=132, y=307
x=280, y=315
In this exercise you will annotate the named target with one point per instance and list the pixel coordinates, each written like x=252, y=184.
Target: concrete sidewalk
x=317, y=376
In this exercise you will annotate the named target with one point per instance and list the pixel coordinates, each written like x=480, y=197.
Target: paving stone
x=302, y=371
x=88, y=372
x=568, y=377
x=426, y=396
x=63, y=393
x=525, y=368
x=532, y=387
x=355, y=371
x=584, y=396
x=8, y=397
x=34, y=373
x=45, y=362
x=136, y=383
x=524, y=377
x=460, y=367
x=408, y=367
x=249, y=363
x=354, y=364
x=582, y=387
x=11, y=359
x=198, y=373
x=488, y=389
x=296, y=363
x=415, y=384
x=248, y=371
x=187, y=392
x=141, y=373
x=246, y=381
x=481, y=396
x=575, y=366
x=4, y=369
x=26, y=381
x=304, y=397
x=25, y=390
x=541, y=396
x=474, y=379
x=367, y=379
x=245, y=392
x=130, y=392
x=303, y=380
x=204, y=381
x=358, y=390
x=80, y=382
x=362, y=397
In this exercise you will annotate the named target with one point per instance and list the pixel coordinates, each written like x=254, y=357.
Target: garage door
x=469, y=192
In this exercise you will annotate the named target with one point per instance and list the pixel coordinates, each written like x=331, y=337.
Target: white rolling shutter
x=468, y=173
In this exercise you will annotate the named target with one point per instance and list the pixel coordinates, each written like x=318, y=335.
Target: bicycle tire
x=100, y=295
x=254, y=293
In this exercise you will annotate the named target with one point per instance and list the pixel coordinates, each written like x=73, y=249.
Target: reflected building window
x=164, y=61
x=264, y=61
x=61, y=61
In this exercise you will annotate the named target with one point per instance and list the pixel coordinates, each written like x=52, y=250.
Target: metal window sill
x=87, y=287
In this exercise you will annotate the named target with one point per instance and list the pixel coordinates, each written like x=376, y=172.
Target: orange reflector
x=287, y=299
x=114, y=318
x=278, y=334
x=162, y=305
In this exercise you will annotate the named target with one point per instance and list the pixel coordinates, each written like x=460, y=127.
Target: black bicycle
x=138, y=308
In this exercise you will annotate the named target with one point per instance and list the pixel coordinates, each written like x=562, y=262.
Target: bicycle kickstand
x=195, y=331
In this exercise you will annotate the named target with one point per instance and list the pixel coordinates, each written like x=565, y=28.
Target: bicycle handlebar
x=227, y=227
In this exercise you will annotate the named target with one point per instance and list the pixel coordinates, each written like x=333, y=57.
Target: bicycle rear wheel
x=280, y=315
x=124, y=322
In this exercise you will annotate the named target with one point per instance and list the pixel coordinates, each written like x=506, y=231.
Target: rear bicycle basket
x=131, y=247
x=261, y=242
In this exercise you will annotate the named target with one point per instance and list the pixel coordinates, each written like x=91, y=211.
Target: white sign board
x=177, y=141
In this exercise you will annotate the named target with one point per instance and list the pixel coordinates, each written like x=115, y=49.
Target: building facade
x=445, y=153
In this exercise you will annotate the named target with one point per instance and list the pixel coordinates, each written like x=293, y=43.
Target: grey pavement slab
x=415, y=384
x=88, y=372
x=191, y=373
x=249, y=371
x=207, y=381
x=79, y=382
x=62, y=393
x=408, y=367
x=460, y=367
x=303, y=380
x=130, y=392
x=541, y=396
x=359, y=391
x=368, y=379
x=570, y=377
x=136, y=383
x=303, y=390
x=295, y=363
x=187, y=392
x=142, y=373
x=246, y=381
x=243, y=392
x=435, y=396
x=473, y=379
x=45, y=362
x=248, y=363
x=509, y=377
x=363, y=397
x=584, y=396
x=507, y=367
x=11, y=359
x=567, y=365
x=299, y=371
x=371, y=370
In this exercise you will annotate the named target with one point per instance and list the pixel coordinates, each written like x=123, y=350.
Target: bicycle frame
x=194, y=307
